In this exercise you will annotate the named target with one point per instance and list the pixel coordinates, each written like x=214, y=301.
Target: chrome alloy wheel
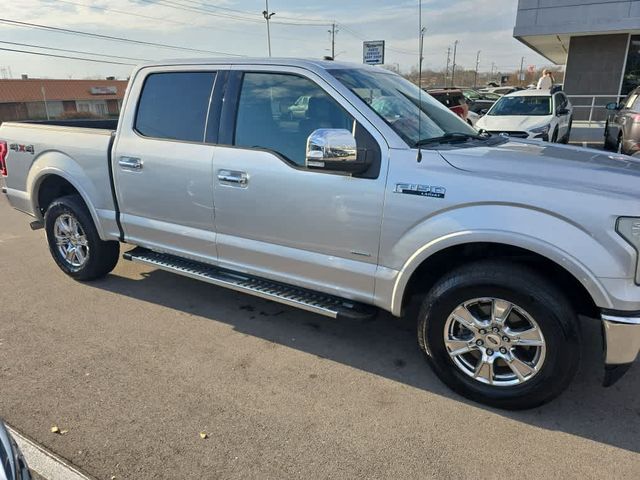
x=71, y=240
x=494, y=342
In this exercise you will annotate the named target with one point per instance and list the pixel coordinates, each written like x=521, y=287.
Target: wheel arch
x=574, y=279
x=53, y=183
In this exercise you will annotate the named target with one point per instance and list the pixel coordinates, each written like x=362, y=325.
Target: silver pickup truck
x=370, y=197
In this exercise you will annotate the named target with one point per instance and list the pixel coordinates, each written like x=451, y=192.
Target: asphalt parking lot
x=135, y=366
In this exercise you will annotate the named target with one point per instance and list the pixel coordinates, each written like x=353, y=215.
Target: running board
x=316, y=302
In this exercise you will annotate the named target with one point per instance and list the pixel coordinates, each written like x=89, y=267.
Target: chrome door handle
x=227, y=177
x=132, y=163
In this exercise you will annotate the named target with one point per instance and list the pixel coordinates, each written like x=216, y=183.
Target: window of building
x=279, y=111
x=631, y=77
x=174, y=105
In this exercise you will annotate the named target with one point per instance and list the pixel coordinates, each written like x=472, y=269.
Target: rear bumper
x=621, y=335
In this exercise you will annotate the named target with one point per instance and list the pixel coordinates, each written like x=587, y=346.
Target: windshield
x=522, y=105
x=396, y=101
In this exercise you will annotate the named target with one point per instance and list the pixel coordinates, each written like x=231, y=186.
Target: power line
x=64, y=56
x=252, y=16
x=73, y=51
x=167, y=20
x=361, y=37
x=200, y=9
x=111, y=38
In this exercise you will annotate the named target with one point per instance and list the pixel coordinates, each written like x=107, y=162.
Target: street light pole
x=475, y=76
x=267, y=16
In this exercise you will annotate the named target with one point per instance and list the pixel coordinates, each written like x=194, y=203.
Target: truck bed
x=77, y=151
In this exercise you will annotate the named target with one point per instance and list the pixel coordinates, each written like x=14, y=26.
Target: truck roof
x=310, y=64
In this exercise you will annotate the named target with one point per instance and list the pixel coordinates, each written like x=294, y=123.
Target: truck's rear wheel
x=500, y=334
x=74, y=242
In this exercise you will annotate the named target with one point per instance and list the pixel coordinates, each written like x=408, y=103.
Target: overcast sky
x=485, y=25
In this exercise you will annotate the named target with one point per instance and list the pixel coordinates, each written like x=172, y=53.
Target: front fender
x=57, y=163
x=555, y=238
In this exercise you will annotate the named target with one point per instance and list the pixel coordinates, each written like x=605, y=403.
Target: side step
x=302, y=298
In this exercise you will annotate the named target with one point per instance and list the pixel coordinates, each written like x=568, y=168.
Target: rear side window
x=174, y=105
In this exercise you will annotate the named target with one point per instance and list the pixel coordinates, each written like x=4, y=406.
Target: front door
x=276, y=218
x=163, y=167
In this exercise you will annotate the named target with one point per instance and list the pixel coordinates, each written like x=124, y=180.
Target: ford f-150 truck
x=373, y=197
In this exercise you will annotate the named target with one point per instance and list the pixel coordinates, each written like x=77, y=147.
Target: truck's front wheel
x=500, y=334
x=74, y=242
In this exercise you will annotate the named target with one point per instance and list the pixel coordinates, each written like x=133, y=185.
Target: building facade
x=597, y=40
x=42, y=99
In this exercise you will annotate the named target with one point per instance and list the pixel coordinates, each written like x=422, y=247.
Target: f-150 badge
x=421, y=190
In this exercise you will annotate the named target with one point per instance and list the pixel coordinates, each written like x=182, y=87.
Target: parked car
x=453, y=99
x=12, y=463
x=622, y=130
x=480, y=102
x=373, y=201
x=531, y=114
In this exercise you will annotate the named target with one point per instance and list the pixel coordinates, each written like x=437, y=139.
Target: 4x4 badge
x=421, y=190
x=22, y=148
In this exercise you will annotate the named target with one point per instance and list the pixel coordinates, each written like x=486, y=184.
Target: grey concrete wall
x=550, y=17
x=594, y=67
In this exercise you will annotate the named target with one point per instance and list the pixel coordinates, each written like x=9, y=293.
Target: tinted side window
x=278, y=111
x=174, y=105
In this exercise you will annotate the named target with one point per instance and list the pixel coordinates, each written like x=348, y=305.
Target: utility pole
x=446, y=72
x=520, y=72
x=267, y=16
x=333, y=32
x=453, y=67
x=493, y=66
x=475, y=76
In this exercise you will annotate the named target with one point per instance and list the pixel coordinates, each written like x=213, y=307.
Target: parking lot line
x=44, y=462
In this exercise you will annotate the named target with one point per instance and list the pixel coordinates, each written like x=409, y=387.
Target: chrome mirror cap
x=331, y=149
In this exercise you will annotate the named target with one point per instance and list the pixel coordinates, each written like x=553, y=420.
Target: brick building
x=34, y=99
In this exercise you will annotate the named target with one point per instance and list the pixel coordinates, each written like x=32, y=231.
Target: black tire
x=619, y=144
x=607, y=143
x=102, y=256
x=567, y=135
x=524, y=288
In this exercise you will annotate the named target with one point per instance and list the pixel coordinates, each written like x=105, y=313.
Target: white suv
x=531, y=114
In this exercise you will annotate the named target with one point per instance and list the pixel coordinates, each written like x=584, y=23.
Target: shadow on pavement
x=387, y=347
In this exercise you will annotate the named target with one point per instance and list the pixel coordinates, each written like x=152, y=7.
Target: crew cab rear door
x=163, y=165
x=278, y=219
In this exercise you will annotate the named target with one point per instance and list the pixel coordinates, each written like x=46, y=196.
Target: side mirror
x=483, y=111
x=612, y=106
x=334, y=149
x=562, y=111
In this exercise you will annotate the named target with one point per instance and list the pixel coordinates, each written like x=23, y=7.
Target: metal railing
x=593, y=104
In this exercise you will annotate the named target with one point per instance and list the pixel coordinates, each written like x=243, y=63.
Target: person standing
x=546, y=80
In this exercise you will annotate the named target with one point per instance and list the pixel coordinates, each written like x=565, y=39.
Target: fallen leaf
x=203, y=435
x=55, y=429
x=62, y=432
